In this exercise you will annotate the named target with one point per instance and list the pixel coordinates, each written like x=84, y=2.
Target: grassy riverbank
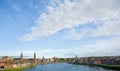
x=115, y=67
x=109, y=66
x=16, y=69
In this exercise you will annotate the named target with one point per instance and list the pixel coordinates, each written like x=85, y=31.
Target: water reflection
x=65, y=67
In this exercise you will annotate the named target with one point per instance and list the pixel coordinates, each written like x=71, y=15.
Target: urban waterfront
x=59, y=35
x=65, y=67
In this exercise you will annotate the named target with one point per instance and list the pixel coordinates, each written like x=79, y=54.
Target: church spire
x=21, y=57
x=34, y=57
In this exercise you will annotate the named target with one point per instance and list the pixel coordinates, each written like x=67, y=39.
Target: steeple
x=21, y=58
x=34, y=57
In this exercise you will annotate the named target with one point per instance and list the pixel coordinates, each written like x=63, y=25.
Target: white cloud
x=98, y=48
x=108, y=47
x=73, y=34
x=109, y=27
x=105, y=27
x=69, y=14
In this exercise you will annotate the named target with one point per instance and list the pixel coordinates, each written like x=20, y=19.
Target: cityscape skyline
x=61, y=28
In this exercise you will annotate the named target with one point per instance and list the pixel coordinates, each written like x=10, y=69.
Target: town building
x=2, y=64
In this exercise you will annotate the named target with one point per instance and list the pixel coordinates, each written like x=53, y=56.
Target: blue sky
x=61, y=28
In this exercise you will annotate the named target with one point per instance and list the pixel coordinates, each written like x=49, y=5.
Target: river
x=65, y=67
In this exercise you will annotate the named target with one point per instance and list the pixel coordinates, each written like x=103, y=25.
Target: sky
x=61, y=28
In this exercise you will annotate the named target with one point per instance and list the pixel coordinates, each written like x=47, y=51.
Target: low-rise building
x=2, y=64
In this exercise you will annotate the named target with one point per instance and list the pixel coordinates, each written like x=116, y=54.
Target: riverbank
x=114, y=67
x=64, y=67
x=17, y=69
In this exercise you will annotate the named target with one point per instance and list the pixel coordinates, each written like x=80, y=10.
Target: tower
x=21, y=58
x=43, y=59
x=34, y=57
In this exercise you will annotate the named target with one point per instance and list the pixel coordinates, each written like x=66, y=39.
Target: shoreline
x=106, y=66
x=16, y=69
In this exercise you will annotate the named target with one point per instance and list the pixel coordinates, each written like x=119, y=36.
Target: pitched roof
x=2, y=64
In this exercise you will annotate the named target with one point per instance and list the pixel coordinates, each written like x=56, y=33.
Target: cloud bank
x=104, y=48
x=67, y=14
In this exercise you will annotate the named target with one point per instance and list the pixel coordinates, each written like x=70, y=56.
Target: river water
x=65, y=67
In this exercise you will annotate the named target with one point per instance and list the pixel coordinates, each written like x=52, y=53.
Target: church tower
x=21, y=58
x=35, y=57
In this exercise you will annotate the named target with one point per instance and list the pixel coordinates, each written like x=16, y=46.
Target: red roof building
x=2, y=64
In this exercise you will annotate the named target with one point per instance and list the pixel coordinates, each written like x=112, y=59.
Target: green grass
x=109, y=66
x=115, y=67
x=16, y=69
